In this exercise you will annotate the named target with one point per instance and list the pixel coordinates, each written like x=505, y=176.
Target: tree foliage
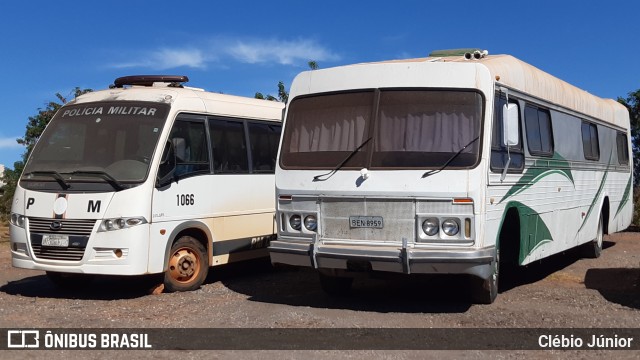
x=283, y=95
x=35, y=127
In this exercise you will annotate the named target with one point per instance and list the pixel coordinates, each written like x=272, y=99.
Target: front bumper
x=472, y=261
x=98, y=257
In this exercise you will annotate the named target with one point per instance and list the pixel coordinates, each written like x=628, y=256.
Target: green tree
x=35, y=127
x=632, y=102
x=260, y=96
x=283, y=95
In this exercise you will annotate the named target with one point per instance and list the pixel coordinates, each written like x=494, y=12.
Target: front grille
x=50, y=253
x=399, y=219
x=78, y=231
x=68, y=226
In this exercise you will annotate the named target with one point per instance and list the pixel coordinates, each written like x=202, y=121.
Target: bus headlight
x=430, y=226
x=120, y=223
x=17, y=220
x=311, y=223
x=450, y=227
x=295, y=222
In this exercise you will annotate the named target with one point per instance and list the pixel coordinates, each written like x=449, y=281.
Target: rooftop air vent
x=469, y=53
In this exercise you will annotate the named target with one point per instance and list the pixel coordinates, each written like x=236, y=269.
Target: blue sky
x=243, y=47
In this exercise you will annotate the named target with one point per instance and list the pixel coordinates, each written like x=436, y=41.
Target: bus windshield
x=409, y=129
x=101, y=142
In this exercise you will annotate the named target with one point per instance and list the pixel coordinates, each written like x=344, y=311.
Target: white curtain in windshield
x=330, y=123
x=435, y=122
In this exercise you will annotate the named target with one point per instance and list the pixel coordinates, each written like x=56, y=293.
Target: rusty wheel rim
x=184, y=265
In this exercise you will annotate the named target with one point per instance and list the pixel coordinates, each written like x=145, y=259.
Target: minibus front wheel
x=188, y=265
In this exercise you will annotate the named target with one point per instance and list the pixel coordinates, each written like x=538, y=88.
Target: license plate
x=375, y=222
x=55, y=240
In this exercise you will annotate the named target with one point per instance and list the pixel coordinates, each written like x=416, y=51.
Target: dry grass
x=4, y=233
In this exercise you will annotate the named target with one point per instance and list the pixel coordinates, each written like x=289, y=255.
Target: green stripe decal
x=625, y=197
x=533, y=231
x=540, y=170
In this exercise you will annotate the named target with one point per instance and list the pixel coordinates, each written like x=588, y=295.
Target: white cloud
x=9, y=143
x=281, y=52
x=250, y=51
x=167, y=59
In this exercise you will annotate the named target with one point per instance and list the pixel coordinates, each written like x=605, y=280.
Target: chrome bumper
x=473, y=261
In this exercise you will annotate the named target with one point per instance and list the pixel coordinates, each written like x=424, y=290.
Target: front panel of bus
x=388, y=173
x=83, y=202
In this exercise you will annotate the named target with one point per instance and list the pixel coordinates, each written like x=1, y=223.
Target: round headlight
x=108, y=224
x=450, y=227
x=311, y=223
x=430, y=226
x=119, y=223
x=295, y=222
x=17, y=219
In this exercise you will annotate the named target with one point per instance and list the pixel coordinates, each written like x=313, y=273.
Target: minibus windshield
x=100, y=142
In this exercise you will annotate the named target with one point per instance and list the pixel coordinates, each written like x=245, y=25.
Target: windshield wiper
x=330, y=173
x=54, y=174
x=103, y=175
x=435, y=171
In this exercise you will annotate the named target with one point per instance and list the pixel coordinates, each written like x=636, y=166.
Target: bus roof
x=191, y=100
x=516, y=74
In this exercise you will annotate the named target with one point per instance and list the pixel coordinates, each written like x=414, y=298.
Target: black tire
x=187, y=267
x=593, y=248
x=69, y=281
x=485, y=291
x=335, y=285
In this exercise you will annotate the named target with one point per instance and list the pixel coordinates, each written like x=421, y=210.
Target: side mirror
x=167, y=167
x=510, y=125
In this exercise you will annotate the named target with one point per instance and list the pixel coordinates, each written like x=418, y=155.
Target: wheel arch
x=196, y=230
x=605, y=214
x=510, y=229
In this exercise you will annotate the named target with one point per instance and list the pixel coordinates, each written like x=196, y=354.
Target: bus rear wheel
x=593, y=249
x=188, y=265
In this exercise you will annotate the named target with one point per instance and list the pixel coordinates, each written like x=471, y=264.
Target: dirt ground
x=565, y=291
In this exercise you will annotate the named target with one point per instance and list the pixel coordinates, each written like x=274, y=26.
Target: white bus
x=148, y=177
x=454, y=163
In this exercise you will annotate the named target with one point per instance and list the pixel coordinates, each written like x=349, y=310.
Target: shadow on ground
x=389, y=293
x=625, y=290
x=101, y=288
x=512, y=277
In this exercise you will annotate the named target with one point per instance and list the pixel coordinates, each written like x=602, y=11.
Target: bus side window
x=590, y=141
x=190, y=146
x=622, y=148
x=498, y=150
x=229, y=147
x=264, y=139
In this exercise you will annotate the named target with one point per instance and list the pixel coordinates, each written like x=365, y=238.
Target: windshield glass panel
x=411, y=129
x=423, y=129
x=114, y=138
x=322, y=130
